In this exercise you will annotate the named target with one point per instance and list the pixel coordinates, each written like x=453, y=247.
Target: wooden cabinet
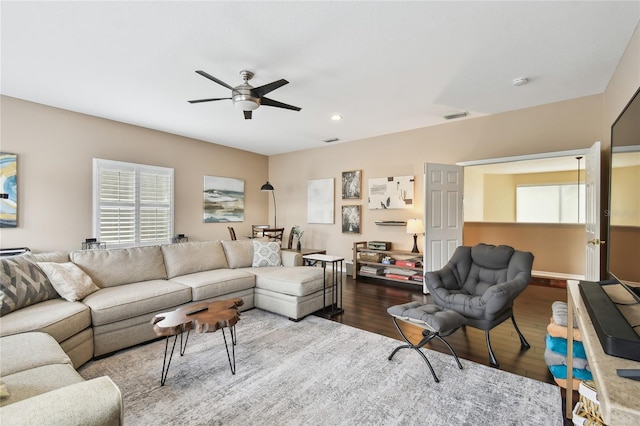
x=372, y=261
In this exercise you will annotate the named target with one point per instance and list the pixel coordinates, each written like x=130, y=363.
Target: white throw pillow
x=266, y=254
x=69, y=280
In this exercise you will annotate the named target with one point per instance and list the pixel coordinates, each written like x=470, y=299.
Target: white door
x=443, y=221
x=592, y=215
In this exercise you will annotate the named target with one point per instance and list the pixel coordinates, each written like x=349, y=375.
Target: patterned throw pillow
x=266, y=254
x=22, y=283
x=69, y=280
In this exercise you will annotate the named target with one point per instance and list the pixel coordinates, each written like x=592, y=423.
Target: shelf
x=391, y=223
x=382, y=277
x=361, y=247
x=365, y=262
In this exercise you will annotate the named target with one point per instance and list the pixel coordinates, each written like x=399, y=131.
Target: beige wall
x=560, y=126
x=553, y=245
x=55, y=150
x=625, y=197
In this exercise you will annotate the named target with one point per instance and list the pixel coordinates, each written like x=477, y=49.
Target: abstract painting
x=351, y=219
x=320, y=200
x=351, y=184
x=8, y=190
x=391, y=193
x=223, y=199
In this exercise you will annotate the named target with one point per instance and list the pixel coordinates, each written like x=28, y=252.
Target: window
x=133, y=203
x=550, y=203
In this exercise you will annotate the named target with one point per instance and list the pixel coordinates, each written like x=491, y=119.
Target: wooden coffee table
x=204, y=317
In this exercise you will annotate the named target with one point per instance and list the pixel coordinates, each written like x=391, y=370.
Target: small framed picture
x=351, y=219
x=352, y=185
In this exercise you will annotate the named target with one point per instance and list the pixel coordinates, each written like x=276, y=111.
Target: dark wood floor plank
x=365, y=307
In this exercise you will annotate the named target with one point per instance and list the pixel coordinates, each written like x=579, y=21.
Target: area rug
x=316, y=372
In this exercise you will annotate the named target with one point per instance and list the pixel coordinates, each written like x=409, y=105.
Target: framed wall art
x=391, y=193
x=320, y=197
x=223, y=199
x=351, y=185
x=8, y=190
x=351, y=219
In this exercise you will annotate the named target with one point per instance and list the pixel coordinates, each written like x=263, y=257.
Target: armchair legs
x=523, y=343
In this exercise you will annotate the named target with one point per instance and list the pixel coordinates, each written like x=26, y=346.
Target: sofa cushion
x=112, y=304
x=36, y=381
x=266, y=253
x=42, y=349
x=239, y=253
x=292, y=280
x=71, y=282
x=113, y=267
x=22, y=283
x=187, y=258
x=53, y=256
x=56, y=317
x=208, y=284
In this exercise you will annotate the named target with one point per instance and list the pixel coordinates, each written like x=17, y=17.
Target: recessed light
x=336, y=117
x=520, y=81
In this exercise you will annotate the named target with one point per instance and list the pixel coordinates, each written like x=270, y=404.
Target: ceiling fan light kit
x=245, y=96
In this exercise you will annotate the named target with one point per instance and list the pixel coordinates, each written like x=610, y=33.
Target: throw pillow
x=266, y=253
x=69, y=280
x=22, y=283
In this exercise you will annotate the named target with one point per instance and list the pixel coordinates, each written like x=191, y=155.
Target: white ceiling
x=384, y=66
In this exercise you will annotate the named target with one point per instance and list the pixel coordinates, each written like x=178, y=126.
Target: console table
x=618, y=396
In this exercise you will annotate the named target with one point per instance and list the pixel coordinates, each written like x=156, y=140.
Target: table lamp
x=415, y=227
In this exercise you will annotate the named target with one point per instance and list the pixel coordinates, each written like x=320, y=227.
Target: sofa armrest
x=291, y=258
x=94, y=402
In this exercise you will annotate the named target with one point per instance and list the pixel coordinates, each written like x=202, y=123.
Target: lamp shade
x=266, y=187
x=415, y=226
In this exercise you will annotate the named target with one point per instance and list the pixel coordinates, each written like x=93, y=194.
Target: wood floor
x=365, y=306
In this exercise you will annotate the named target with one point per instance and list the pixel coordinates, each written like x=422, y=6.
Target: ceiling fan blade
x=247, y=115
x=263, y=90
x=212, y=78
x=271, y=102
x=207, y=100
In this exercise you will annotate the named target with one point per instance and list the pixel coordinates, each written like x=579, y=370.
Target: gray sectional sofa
x=127, y=287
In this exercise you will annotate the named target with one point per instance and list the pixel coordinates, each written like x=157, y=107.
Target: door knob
x=596, y=241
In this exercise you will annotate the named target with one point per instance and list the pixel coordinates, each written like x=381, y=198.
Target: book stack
x=373, y=270
x=399, y=274
x=414, y=262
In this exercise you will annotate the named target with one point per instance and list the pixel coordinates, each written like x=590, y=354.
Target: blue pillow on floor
x=559, y=345
x=560, y=372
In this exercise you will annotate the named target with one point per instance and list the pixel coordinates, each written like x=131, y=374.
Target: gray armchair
x=481, y=283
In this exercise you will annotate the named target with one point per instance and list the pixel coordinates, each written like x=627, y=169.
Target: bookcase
x=408, y=266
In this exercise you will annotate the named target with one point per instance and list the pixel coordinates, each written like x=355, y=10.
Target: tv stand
x=618, y=396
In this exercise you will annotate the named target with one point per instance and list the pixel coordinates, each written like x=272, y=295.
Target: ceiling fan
x=246, y=96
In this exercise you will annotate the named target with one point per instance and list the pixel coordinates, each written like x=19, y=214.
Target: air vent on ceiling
x=456, y=115
x=331, y=140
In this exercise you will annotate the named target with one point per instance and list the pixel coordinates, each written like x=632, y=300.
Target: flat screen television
x=623, y=263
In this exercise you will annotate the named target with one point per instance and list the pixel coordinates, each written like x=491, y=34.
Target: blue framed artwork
x=8, y=190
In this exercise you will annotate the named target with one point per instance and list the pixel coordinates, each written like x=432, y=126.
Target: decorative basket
x=587, y=409
x=371, y=257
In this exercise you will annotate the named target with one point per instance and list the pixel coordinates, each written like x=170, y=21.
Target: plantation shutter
x=133, y=203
